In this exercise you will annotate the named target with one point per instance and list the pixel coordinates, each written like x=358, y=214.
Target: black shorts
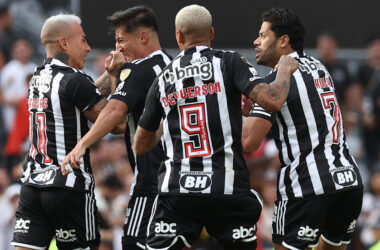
x=136, y=222
x=298, y=223
x=229, y=219
x=69, y=216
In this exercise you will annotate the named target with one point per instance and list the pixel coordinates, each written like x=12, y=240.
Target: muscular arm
x=271, y=97
x=145, y=140
x=108, y=119
x=254, y=132
x=106, y=84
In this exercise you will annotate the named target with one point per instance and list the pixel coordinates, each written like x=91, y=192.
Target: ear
x=180, y=39
x=212, y=33
x=284, y=41
x=144, y=37
x=62, y=43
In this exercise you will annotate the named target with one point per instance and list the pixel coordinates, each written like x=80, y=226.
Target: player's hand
x=287, y=63
x=72, y=160
x=114, y=62
x=246, y=105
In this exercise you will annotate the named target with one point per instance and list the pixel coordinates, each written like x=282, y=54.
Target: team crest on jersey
x=124, y=74
x=42, y=81
x=195, y=181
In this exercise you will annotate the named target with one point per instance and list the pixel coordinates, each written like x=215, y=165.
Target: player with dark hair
x=61, y=102
x=204, y=181
x=136, y=35
x=319, y=188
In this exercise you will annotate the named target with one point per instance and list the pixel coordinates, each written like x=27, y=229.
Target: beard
x=268, y=56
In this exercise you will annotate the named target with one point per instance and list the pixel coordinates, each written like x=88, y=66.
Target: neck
x=149, y=49
x=60, y=55
x=196, y=43
x=284, y=52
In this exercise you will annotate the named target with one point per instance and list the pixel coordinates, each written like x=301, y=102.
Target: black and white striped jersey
x=309, y=136
x=136, y=78
x=58, y=95
x=199, y=97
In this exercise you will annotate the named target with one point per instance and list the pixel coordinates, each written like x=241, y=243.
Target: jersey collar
x=54, y=61
x=295, y=54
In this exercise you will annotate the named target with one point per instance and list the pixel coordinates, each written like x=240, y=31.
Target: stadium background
x=236, y=24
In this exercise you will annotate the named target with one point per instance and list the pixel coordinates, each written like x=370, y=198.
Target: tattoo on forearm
x=105, y=84
x=62, y=56
x=277, y=91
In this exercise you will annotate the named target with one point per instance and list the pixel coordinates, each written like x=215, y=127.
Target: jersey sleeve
x=80, y=91
x=258, y=111
x=153, y=110
x=134, y=85
x=245, y=76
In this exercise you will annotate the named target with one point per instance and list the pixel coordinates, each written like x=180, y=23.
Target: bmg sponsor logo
x=344, y=176
x=195, y=181
x=199, y=67
x=241, y=232
x=164, y=229
x=307, y=233
x=22, y=226
x=65, y=235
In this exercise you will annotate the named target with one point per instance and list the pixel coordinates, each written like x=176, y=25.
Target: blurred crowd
x=357, y=91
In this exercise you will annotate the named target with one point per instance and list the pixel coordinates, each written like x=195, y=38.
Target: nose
x=88, y=48
x=118, y=47
x=256, y=42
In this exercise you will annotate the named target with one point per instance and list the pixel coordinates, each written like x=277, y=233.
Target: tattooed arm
x=106, y=83
x=271, y=97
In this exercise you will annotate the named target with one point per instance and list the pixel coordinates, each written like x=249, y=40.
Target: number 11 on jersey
x=39, y=124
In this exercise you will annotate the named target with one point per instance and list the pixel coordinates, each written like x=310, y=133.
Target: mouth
x=258, y=53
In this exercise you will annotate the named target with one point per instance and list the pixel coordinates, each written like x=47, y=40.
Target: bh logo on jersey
x=242, y=232
x=195, y=181
x=65, y=235
x=22, y=226
x=164, y=229
x=45, y=177
x=344, y=176
x=307, y=233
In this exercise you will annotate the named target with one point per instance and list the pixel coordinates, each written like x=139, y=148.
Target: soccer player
x=136, y=35
x=319, y=188
x=204, y=181
x=61, y=101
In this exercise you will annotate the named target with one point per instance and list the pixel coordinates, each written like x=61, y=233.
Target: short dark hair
x=133, y=18
x=286, y=22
